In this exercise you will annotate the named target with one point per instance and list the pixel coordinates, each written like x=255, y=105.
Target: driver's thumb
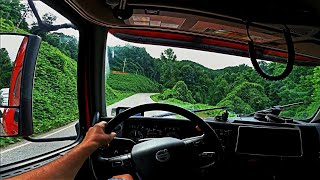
x=113, y=134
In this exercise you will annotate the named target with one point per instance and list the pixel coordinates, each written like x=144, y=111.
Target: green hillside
x=113, y=95
x=130, y=84
x=55, y=89
x=238, y=87
x=181, y=96
x=55, y=93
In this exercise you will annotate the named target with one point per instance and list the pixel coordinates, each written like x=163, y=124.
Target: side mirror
x=18, y=54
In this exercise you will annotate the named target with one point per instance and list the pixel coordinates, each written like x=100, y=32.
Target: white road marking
x=16, y=147
x=136, y=99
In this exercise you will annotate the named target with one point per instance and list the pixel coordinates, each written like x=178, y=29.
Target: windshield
x=193, y=79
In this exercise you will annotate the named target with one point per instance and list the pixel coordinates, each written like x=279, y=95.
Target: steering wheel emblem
x=163, y=155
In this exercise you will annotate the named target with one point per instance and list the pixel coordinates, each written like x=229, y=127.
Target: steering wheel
x=161, y=158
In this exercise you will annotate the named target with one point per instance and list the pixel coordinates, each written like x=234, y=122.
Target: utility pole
x=124, y=64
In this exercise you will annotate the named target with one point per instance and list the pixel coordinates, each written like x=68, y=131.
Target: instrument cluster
x=139, y=132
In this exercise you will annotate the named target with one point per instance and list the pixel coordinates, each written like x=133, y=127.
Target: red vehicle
x=10, y=115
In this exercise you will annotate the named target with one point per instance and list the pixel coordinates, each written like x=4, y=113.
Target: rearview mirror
x=18, y=54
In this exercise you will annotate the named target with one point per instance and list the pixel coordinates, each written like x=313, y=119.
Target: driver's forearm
x=65, y=167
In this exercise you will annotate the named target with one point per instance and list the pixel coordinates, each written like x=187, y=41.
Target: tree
x=43, y=26
x=181, y=92
x=218, y=90
x=253, y=94
x=235, y=104
x=5, y=68
x=66, y=44
x=168, y=79
x=138, y=60
x=168, y=55
x=239, y=87
x=246, y=98
x=297, y=87
x=49, y=18
x=188, y=75
x=11, y=10
x=315, y=104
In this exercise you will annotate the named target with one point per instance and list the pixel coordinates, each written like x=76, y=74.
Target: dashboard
x=139, y=129
x=249, y=145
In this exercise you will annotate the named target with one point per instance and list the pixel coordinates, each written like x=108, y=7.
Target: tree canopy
x=238, y=87
x=15, y=12
x=168, y=55
x=6, y=67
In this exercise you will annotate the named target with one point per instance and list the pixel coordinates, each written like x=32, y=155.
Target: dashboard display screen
x=269, y=141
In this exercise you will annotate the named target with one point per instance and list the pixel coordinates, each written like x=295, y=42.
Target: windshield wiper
x=275, y=110
x=194, y=111
x=272, y=114
x=278, y=108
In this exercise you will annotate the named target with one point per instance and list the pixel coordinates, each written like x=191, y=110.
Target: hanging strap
x=290, y=60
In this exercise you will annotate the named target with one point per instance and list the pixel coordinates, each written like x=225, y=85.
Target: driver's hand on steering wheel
x=96, y=137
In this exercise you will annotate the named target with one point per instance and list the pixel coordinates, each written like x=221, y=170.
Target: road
x=26, y=149
x=135, y=100
x=1, y=126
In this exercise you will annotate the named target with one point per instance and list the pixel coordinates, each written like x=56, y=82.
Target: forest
x=239, y=88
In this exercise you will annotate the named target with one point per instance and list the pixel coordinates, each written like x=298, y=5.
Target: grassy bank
x=190, y=106
x=120, y=86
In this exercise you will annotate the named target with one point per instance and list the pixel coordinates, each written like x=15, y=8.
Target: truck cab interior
x=208, y=122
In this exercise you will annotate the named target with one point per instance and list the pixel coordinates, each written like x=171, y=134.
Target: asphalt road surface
x=1, y=126
x=135, y=100
x=1, y=130
x=26, y=149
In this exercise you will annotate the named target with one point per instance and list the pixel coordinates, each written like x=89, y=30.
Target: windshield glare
x=192, y=79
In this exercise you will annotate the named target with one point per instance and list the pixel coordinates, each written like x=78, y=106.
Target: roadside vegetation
x=55, y=88
x=181, y=96
x=184, y=81
x=9, y=16
x=130, y=84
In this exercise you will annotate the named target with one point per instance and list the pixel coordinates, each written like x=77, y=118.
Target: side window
x=55, y=100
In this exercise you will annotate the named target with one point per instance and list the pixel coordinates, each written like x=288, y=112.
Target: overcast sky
x=42, y=9
x=207, y=59
x=11, y=44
